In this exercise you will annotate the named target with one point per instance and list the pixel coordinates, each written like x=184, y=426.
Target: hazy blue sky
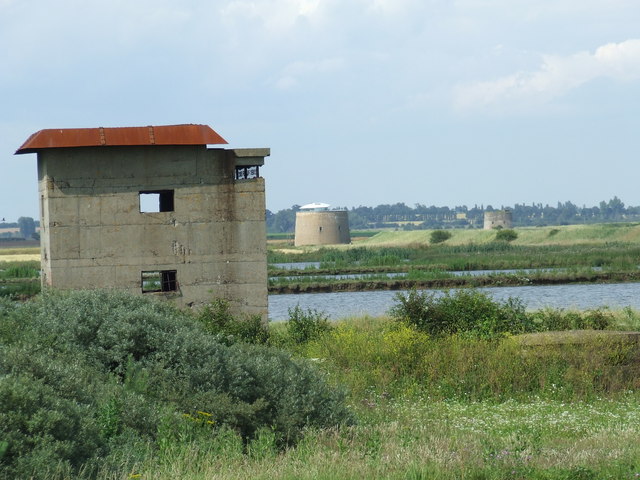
x=362, y=102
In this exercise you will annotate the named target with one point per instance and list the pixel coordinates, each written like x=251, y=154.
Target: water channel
x=344, y=304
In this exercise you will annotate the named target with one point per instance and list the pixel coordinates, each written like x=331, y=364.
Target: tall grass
x=422, y=439
x=380, y=356
x=29, y=269
x=446, y=408
x=496, y=255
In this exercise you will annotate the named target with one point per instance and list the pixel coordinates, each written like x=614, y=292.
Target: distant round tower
x=498, y=219
x=317, y=225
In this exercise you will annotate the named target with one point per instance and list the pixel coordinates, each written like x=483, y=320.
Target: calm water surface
x=344, y=304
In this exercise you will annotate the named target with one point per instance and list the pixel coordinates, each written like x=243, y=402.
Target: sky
x=362, y=102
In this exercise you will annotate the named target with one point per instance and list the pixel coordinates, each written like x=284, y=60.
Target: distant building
x=154, y=211
x=498, y=219
x=316, y=224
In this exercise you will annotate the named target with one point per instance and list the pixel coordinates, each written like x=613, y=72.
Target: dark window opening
x=320, y=229
x=156, y=201
x=159, y=281
x=245, y=173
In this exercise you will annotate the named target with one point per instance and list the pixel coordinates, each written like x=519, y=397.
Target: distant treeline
x=419, y=217
x=26, y=226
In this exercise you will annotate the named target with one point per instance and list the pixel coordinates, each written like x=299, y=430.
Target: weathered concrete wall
x=322, y=228
x=95, y=236
x=498, y=219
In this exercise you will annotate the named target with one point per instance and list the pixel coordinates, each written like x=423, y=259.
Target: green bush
x=550, y=319
x=87, y=374
x=463, y=311
x=218, y=320
x=473, y=312
x=45, y=432
x=305, y=326
x=439, y=236
x=506, y=235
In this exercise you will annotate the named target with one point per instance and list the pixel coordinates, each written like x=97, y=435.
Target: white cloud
x=292, y=74
x=556, y=76
x=392, y=6
x=275, y=15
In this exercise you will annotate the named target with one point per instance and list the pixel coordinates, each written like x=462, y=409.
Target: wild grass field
x=110, y=386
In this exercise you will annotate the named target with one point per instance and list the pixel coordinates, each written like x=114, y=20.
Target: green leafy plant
x=304, y=326
x=88, y=378
x=506, y=235
x=550, y=319
x=463, y=311
x=217, y=319
x=439, y=236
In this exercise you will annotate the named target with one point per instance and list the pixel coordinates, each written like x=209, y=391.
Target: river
x=344, y=304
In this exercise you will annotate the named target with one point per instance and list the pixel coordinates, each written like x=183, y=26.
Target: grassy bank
x=444, y=280
x=597, y=234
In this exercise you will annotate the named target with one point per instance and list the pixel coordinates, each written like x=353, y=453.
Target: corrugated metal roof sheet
x=187, y=134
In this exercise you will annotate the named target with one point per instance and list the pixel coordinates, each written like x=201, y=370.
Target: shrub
x=550, y=319
x=464, y=311
x=439, y=236
x=506, y=235
x=305, y=326
x=88, y=371
x=218, y=320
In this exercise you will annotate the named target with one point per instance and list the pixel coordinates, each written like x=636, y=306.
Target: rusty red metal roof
x=187, y=134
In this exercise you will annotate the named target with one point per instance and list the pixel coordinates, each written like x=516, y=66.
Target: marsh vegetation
x=601, y=253
x=105, y=385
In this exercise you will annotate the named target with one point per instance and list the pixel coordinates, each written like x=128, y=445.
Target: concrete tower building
x=154, y=211
x=317, y=225
x=498, y=219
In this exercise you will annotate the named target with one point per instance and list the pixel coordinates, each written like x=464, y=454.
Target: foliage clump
x=506, y=235
x=439, y=236
x=88, y=378
x=217, y=319
x=475, y=313
x=306, y=325
x=553, y=319
x=463, y=311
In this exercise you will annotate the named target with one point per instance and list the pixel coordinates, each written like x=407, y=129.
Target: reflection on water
x=296, y=265
x=344, y=304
